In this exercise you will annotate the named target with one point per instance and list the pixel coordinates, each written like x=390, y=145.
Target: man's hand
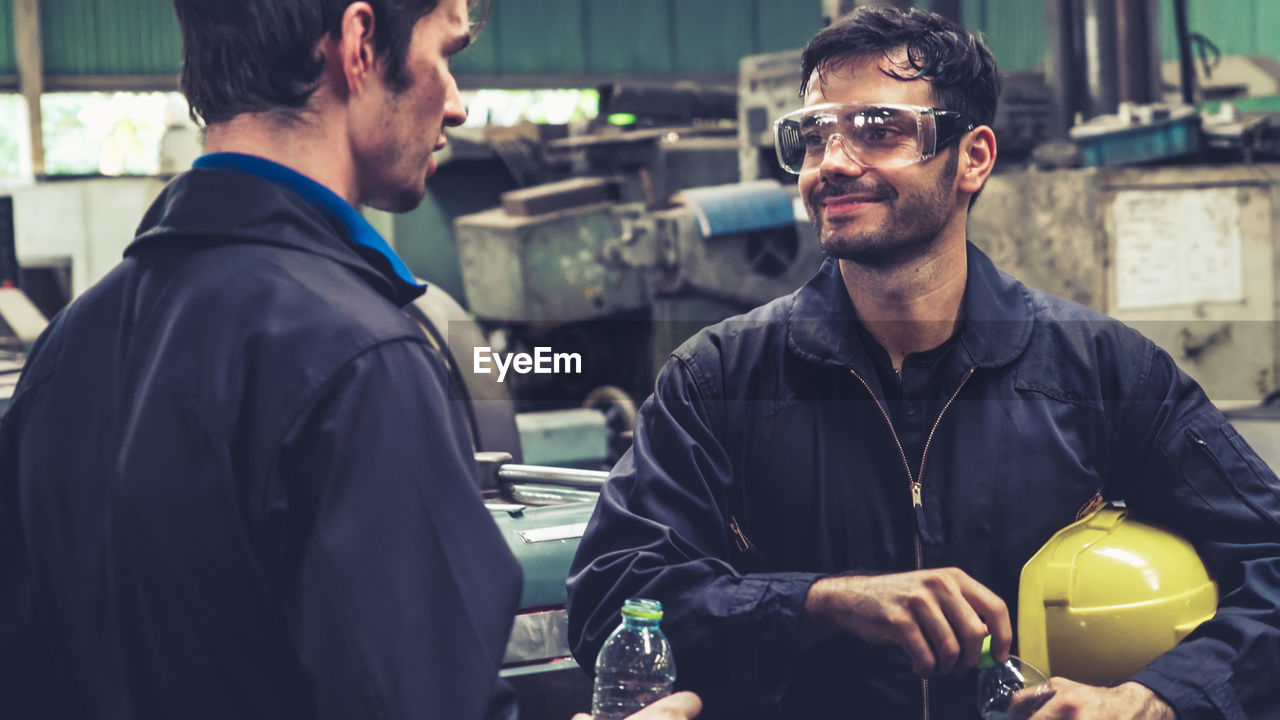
x=939, y=617
x=680, y=706
x=1073, y=701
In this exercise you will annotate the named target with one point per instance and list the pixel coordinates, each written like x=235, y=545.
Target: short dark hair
x=960, y=68
x=243, y=56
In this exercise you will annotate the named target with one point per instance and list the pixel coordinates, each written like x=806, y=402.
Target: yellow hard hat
x=1108, y=594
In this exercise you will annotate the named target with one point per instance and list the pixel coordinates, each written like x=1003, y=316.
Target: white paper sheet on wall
x=1177, y=247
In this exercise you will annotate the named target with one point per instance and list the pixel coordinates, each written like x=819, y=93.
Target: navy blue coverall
x=768, y=457
x=233, y=483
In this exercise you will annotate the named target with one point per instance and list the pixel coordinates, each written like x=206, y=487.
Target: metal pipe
x=1137, y=52
x=1186, y=65
x=1100, y=56
x=1066, y=63
x=566, y=477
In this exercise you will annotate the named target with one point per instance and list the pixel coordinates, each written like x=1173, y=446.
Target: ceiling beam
x=30, y=56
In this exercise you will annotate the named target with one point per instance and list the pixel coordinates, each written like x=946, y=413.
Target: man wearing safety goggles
x=833, y=495
x=879, y=135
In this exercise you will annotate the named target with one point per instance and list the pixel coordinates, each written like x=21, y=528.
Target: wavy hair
x=960, y=68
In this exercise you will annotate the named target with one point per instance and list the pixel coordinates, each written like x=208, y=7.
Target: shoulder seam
x=290, y=419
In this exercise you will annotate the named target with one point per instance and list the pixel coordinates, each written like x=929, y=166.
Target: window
x=108, y=133
x=506, y=108
x=15, y=156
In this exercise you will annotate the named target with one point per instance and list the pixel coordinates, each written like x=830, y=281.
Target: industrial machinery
x=21, y=322
x=1186, y=254
x=542, y=513
x=649, y=239
x=10, y=369
x=639, y=280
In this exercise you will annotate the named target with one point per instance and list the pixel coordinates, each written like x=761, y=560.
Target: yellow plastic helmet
x=1108, y=594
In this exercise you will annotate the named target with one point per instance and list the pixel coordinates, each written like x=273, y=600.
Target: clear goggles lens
x=873, y=135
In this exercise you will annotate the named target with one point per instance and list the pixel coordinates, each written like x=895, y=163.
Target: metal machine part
x=572, y=437
x=8, y=246
x=490, y=411
x=768, y=88
x=565, y=477
x=619, y=412
x=649, y=105
x=21, y=322
x=542, y=513
x=1138, y=134
x=544, y=268
x=1024, y=116
x=1233, y=77
x=741, y=243
x=590, y=279
x=653, y=163
x=1103, y=52
x=539, y=268
x=10, y=371
x=1185, y=254
x=590, y=437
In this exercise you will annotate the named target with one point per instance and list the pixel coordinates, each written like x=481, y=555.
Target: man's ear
x=977, y=159
x=356, y=50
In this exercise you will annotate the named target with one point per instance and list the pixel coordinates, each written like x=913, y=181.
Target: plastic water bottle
x=635, y=666
x=998, y=682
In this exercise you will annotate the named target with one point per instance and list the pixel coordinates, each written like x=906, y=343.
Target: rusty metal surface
x=1057, y=231
x=1045, y=228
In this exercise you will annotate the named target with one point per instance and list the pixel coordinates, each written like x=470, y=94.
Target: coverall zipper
x=917, y=500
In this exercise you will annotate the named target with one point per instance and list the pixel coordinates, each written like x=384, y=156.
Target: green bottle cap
x=642, y=609
x=985, y=660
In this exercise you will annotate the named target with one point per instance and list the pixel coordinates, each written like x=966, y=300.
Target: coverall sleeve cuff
x=776, y=601
x=1214, y=699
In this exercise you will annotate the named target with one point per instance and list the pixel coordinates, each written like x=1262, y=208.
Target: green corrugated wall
x=1015, y=30
x=110, y=37
x=1017, y=33
x=8, y=61
x=606, y=38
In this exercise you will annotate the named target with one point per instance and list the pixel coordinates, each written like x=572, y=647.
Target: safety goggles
x=874, y=135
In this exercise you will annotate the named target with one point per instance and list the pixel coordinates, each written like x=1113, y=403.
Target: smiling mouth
x=849, y=205
x=852, y=200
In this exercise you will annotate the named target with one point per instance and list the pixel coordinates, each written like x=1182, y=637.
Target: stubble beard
x=909, y=231
x=408, y=198
x=405, y=188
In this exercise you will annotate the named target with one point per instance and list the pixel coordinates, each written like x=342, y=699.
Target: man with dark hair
x=834, y=494
x=232, y=481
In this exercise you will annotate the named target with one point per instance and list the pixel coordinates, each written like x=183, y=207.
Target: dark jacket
x=760, y=420
x=233, y=485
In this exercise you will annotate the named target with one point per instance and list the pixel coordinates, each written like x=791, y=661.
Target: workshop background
x=615, y=189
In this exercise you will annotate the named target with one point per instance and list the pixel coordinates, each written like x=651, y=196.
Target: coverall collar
x=255, y=200
x=995, y=329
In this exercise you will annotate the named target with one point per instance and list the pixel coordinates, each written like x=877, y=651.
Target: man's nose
x=455, y=111
x=838, y=159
